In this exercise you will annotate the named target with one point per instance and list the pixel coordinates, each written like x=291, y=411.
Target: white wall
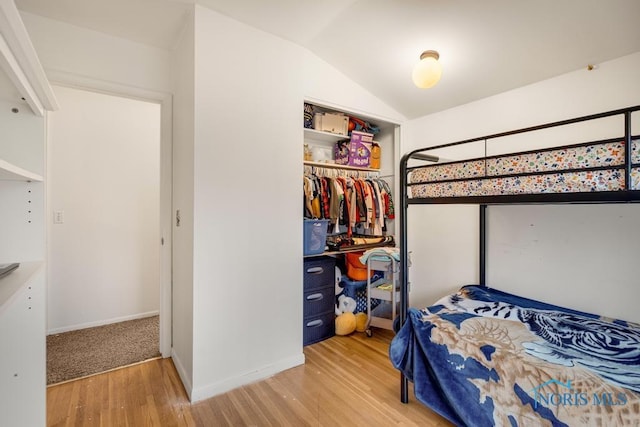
x=103, y=174
x=323, y=83
x=247, y=224
x=526, y=261
x=67, y=49
x=247, y=257
x=577, y=256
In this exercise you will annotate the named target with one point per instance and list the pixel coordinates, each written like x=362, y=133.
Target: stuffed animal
x=361, y=322
x=345, y=305
x=345, y=319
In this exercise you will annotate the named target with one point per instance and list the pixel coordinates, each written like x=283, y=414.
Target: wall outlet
x=58, y=217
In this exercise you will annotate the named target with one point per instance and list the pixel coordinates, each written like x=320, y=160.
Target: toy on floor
x=345, y=320
x=361, y=322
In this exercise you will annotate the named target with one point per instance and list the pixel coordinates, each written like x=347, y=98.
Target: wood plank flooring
x=345, y=381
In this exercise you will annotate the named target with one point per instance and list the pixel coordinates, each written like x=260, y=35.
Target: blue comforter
x=483, y=357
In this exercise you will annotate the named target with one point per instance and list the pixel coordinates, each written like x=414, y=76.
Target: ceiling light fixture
x=428, y=71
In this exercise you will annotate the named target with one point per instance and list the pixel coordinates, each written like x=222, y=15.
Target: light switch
x=58, y=217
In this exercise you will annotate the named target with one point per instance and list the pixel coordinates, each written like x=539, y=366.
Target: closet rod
x=336, y=172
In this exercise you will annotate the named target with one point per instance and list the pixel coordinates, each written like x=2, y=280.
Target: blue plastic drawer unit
x=319, y=299
x=319, y=272
x=319, y=328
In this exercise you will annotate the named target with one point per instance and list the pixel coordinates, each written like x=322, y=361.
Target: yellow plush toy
x=345, y=323
x=361, y=322
x=345, y=319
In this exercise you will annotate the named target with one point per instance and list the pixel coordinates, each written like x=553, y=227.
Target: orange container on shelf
x=375, y=155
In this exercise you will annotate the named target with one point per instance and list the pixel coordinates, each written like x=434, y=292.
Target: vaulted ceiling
x=486, y=47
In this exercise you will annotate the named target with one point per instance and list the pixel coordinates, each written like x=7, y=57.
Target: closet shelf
x=319, y=135
x=335, y=166
x=9, y=172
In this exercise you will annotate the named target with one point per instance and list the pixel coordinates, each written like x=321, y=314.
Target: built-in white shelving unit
x=12, y=283
x=25, y=98
x=22, y=336
x=10, y=172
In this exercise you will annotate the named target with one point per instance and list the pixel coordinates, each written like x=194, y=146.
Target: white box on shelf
x=331, y=122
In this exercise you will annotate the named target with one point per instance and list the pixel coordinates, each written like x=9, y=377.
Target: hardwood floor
x=345, y=381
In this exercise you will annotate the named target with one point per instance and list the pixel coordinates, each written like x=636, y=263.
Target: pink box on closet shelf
x=354, y=152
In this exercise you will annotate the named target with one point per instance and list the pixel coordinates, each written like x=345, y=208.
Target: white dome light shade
x=428, y=71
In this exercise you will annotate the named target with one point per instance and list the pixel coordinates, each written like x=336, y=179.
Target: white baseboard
x=247, y=378
x=101, y=322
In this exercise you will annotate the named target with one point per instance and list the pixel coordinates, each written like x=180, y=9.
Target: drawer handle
x=315, y=323
x=315, y=270
x=315, y=297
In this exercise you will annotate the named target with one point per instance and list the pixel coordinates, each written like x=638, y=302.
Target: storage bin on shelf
x=315, y=236
x=337, y=123
x=356, y=151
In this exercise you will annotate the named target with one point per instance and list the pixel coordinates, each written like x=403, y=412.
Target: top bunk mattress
x=572, y=172
x=587, y=168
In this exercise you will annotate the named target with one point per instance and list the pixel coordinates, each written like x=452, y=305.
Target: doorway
x=107, y=192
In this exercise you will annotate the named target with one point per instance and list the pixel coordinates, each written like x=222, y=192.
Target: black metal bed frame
x=483, y=201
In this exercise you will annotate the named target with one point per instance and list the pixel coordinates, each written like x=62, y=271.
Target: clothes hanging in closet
x=360, y=205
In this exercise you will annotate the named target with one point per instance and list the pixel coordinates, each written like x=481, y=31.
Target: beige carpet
x=89, y=351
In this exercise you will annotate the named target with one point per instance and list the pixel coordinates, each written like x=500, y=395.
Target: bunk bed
x=482, y=356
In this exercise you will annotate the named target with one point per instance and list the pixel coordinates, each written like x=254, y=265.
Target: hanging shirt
x=325, y=193
x=379, y=219
x=368, y=201
x=346, y=207
x=389, y=208
x=336, y=204
x=315, y=202
x=362, y=207
x=308, y=196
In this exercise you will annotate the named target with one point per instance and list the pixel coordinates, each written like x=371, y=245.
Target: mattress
x=485, y=357
x=592, y=167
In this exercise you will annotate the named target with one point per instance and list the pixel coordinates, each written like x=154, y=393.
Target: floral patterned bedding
x=562, y=170
x=484, y=357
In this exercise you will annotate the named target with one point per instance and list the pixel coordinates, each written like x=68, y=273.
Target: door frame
x=165, y=238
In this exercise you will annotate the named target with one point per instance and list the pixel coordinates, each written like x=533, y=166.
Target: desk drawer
x=319, y=272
